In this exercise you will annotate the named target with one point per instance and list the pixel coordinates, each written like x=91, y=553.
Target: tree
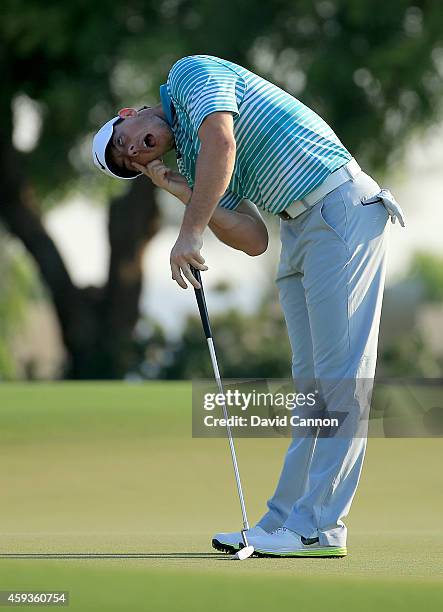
x=371, y=68
x=63, y=57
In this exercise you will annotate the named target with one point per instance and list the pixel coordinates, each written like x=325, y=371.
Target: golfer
x=241, y=140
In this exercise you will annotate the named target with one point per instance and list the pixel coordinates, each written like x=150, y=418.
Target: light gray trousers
x=330, y=281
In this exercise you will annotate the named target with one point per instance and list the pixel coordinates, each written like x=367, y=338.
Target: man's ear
x=127, y=112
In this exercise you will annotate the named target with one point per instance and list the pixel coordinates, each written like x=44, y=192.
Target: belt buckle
x=284, y=215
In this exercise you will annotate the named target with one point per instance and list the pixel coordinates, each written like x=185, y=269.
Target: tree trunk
x=133, y=221
x=96, y=323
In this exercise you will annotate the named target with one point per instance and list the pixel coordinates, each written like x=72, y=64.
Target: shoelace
x=279, y=530
x=305, y=541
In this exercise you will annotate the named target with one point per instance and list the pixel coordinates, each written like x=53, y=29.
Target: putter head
x=244, y=553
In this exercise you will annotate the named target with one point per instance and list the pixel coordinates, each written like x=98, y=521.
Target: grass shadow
x=115, y=555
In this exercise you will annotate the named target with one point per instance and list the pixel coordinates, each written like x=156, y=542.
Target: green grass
x=111, y=588
x=113, y=469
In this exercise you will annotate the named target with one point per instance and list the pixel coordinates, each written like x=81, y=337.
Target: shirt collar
x=168, y=107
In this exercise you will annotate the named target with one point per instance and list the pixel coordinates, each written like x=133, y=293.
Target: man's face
x=141, y=137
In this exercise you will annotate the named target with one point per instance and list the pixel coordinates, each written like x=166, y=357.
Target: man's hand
x=167, y=179
x=186, y=253
x=390, y=203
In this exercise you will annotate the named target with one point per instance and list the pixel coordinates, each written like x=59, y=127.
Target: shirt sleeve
x=203, y=86
x=230, y=200
x=183, y=170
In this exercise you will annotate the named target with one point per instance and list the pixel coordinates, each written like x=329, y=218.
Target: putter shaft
x=201, y=302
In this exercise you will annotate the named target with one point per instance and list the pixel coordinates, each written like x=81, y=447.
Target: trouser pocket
x=333, y=214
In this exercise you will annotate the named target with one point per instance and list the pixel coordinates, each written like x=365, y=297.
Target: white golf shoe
x=286, y=543
x=233, y=541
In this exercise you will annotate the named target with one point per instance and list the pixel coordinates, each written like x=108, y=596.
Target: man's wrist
x=186, y=196
x=192, y=225
x=190, y=230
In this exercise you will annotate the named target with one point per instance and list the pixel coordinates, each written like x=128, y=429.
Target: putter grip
x=201, y=302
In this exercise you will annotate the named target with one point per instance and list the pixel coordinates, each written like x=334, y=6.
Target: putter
x=247, y=550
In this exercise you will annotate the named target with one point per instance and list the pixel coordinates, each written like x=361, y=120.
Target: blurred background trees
x=17, y=288
x=418, y=351
x=257, y=345
x=59, y=62
x=373, y=69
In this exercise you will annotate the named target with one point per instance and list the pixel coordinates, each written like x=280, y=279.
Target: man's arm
x=242, y=229
x=214, y=167
x=215, y=164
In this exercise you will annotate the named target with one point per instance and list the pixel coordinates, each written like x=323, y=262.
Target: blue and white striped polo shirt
x=284, y=149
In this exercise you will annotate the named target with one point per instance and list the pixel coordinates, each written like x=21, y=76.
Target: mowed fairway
x=104, y=493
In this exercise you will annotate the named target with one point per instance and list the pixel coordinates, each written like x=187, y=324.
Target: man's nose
x=132, y=150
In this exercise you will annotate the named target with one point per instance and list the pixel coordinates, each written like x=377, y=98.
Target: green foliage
x=78, y=60
x=372, y=68
x=17, y=286
x=429, y=269
x=408, y=356
x=253, y=345
x=380, y=61
x=256, y=345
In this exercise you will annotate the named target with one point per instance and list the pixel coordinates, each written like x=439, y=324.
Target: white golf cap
x=101, y=160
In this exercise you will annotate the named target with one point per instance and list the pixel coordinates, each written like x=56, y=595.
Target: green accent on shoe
x=326, y=551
